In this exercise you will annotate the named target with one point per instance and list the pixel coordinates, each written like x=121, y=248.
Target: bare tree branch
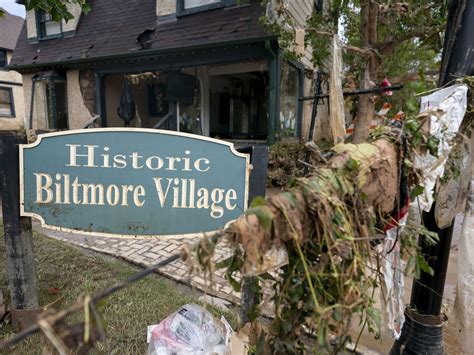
x=386, y=47
x=361, y=50
x=413, y=76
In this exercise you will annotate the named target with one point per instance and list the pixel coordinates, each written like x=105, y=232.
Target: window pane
x=3, y=59
x=189, y=4
x=288, y=100
x=57, y=105
x=239, y=105
x=52, y=28
x=5, y=102
x=190, y=115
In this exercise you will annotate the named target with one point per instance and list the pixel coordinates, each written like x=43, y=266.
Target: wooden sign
x=131, y=181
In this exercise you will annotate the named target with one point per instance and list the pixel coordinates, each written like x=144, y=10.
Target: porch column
x=205, y=100
x=100, y=98
x=274, y=92
x=52, y=104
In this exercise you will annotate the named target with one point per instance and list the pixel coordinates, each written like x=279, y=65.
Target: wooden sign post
x=17, y=230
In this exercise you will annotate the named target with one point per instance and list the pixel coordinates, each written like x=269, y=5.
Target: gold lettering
x=137, y=193
x=73, y=155
x=125, y=190
x=217, y=195
x=46, y=188
x=203, y=198
x=230, y=195
x=197, y=164
x=159, y=189
x=95, y=190
x=113, y=190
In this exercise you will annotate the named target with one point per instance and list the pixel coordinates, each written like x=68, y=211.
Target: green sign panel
x=132, y=182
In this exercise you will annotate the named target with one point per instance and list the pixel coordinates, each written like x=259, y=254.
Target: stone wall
x=78, y=113
x=165, y=7
x=17, y=122
x=87, y=86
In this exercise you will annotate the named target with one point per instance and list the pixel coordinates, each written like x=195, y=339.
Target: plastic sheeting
x=392, y=270
x=336, y=99
x=446, y=108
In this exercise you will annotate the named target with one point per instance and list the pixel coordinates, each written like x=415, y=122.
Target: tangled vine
x=329, y=225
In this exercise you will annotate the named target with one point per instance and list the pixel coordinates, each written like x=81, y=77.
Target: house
x=11, y=88
x=200, y=66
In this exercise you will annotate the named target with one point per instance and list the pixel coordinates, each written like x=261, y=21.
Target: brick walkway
x=147, y=252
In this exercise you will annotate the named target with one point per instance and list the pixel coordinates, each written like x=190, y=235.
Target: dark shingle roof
x=10, y=28
x=112, y=27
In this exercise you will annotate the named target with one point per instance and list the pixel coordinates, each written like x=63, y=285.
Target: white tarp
x=447, y=108
x=336, y=99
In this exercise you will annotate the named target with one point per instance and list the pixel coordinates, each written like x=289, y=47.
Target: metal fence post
x=17, y=230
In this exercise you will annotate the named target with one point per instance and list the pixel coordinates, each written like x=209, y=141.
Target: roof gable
x=10, y=28
x=126, y=27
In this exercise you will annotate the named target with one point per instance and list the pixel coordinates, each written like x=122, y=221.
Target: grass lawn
x=63, y=268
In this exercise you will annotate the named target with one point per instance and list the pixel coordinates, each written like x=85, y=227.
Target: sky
x=13, y=8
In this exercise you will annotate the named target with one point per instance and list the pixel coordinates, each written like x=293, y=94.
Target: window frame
x=12, y=103
x=181, y=11
x=3, y=52
x=318, y=6
x=41, y=31
x=299, y=68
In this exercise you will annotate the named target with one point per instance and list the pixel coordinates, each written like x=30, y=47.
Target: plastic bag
x=189, y=330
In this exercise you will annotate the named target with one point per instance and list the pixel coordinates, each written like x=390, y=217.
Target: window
x=189, y=113
x=158, y=104
x=3, y=58
x=47, y=28
x=7, y=109
x=318, y=5
x=56, y=97
x=289, y=104
x=239, y=105
x=186, y=7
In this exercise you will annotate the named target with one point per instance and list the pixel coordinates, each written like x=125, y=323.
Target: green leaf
x=253, y=312
x=258, y=201
x=423, y=265
x=417, y=191
x=266, y=276
x=86, y=8
x=233, y=282
x=225, y=263
x=431, y=238
x=290, y=197
x=352, y=164
x=264, y=215
x=375, y=317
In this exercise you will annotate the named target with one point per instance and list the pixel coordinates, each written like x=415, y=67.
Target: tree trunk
x=369, y=16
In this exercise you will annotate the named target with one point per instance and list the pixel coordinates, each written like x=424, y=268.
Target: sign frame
x=38, y=141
